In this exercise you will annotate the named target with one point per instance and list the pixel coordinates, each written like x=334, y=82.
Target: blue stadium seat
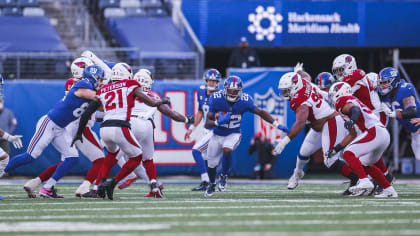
x=28, y=3
x=114, y=12
x=135, y=12
x=156, y=12
x=151, y=3
x=8, y=3
x=12, y=11
x=108, y=4
x=33, y=11
x=129, y=3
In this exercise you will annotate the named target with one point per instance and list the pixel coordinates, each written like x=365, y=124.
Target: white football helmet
x=338, y=90
x=343, y=66
x=121, y=71
x=291, y=83
x=78, y=66
x=145, y=78
x=373, y=79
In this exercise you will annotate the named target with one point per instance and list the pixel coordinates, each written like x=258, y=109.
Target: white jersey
x=117, y=99
x=367, y=119
x=143, y=111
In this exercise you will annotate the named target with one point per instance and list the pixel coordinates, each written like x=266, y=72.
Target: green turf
x=242, y=210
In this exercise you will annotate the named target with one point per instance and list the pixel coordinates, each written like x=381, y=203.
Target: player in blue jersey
x=51, y=129
x=212, y=79
x=226, y=108
x=400, y=101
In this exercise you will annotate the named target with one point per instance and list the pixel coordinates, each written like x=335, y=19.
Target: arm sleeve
x=93, y=106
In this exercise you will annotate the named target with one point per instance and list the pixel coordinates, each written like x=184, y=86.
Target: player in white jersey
x=312, y=108
x=365, y=143
x=117, y=100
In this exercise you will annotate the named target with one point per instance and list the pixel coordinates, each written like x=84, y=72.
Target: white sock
x=141, y=172
x=301, y=163
x=205, y=177
x=50, y=183
x=95, y=187
x=386, y=172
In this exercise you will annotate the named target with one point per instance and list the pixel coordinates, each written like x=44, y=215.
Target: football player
x=51, y=128
x=327, y=126
x=345, y=69
x=212, y=79
x=400, y=101
x=364, y=147
x=117, y=100
x=226, y=108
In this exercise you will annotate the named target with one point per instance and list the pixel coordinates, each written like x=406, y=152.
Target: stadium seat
x=156, y=12
x=108, y=4
x=12, y=11
x=33, y=11
x=135, y=12
x=8, y=3
x=0, y=11
x=114, y=12
x=28, y=3
x=151, y=3
x=129, y=3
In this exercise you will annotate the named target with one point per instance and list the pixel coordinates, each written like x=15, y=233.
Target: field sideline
x=315, y=208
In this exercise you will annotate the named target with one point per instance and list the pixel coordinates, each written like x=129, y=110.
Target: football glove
x=330, y=153
x=14, y=139
x=390, y=113
x=281, y=145
x=189, y=119
x=223, y=118
x=76, y=138
x=281, y=127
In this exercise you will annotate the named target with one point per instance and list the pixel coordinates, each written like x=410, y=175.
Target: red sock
x=345, y=171
x=94, y=170
x=48, y=172
x=355, y=164
x=150, y=169
x=378, y=176
x=128, y=167
x=381, y=165
x=107, y=164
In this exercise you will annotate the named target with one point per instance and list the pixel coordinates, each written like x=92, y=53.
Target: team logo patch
x=81, y=64
x=338, y=87
x=348, y=59
x=295, y=79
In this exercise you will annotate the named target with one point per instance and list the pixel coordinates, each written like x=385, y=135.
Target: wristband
x=286, y=140
x=215, y=123
x=275, y=123
x=192, y=127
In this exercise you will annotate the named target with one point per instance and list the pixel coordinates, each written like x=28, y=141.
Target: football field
x=316, y=208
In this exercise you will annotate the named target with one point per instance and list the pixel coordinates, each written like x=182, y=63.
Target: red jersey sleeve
x=342, y=101
x=353, y=78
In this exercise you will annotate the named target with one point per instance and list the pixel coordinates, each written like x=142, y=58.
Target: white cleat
x=362, y=188
x=3, y=164
x=388, y=192
x=30, y=187
x=83, y=188
x=294, y=179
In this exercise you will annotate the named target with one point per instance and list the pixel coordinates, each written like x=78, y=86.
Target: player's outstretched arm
x=93, y=106
x=148, y=100
x=267, y=117
x=14, y=139
x=174, y=115
x=197, y=119
x=85, y=93
x=302, y=114
x=210, y=120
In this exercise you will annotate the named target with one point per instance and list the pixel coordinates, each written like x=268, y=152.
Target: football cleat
x=347, y=191
x=83, y=188
x=30, y=187
x=202, y=187
x=210, y=190
x=109, y=188
x=91, y=194
x=362, y=188
x=49, y=193
x=294, y=179
x=388, y=192
x=101, y=188
x=127, y=183
x=222, y=183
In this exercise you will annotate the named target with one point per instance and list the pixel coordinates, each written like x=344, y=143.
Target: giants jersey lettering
x=219, y=103
x=71, y=107
x=363, y=89
x=317, y=103
x=203, y=101
x=117, y=99
x=142, y=110
x=367, y=119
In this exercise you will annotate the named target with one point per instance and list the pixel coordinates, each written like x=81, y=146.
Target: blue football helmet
x=1, y=80
x=232, y=88
x=212, y=75
x=93, y=74
x=324, y=80
x=389, y=78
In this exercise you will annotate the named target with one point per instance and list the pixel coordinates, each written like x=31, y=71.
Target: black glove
x=77, y=137
x=166, y=100
x=190, y=119
x=349, y=124
x=333, y=151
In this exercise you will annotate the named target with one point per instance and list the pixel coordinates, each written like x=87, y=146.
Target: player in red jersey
x=365, y=143
x=117, y=100
x=364, y=88
x=312, y=108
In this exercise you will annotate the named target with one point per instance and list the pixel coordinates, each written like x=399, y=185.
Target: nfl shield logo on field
x=277, y=107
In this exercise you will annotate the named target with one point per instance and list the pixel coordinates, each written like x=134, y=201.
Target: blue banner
x=305, y=23
x=30, y=100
